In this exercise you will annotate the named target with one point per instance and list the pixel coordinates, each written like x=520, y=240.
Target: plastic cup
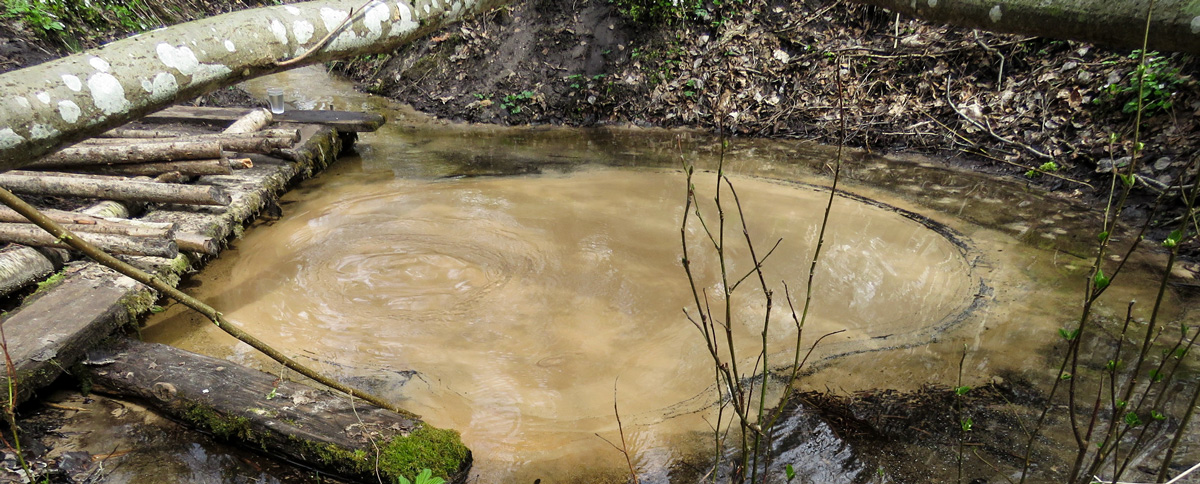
x=275, y=99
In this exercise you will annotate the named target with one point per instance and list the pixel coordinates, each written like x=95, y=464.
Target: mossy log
x=317, y=428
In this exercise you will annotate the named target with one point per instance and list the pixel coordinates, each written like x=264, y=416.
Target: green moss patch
x=439, y=450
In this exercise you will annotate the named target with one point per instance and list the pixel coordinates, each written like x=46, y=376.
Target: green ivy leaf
x=967, y=424
x=1103, y=237
x=1156, y=415
x=1101, y=280
x=790, y=472
x=1132, y=420
x=960, y=391
x=1173, y=239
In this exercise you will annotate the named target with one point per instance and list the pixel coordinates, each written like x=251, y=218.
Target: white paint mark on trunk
x=73, y=83
x=1196, y=24
x=69, y=111
x=279, y=30
x=303, y=30
x=24, y=103
x=162, y=87
x=229, y=46
x=41, y=131
x=995, y=14
x=99, y=64
x=107, y=93
x=376, y=15
x=10, y=139
x=44, y=97
x=932, y=3
x=332, y=18
x=292, y=10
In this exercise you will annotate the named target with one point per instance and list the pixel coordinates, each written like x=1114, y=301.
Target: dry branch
x=245, y=143
x=71, y=186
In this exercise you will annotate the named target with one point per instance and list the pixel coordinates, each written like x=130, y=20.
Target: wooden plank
x=343, y=121
x=315, y=427
x=52, y=330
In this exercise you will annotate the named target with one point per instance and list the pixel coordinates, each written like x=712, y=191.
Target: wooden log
x=186, y=167
x=251, y=122
x=115, y=190
x=285, y=418
x=144, y=134
x=201, y=244
x=237, y=142
x=241, y=163
x=131, y=153
x=343, y=121
x=31, y=235
x=21, y=266
x=96, y=225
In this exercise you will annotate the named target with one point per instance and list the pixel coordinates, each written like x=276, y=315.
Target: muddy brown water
x=507, y=282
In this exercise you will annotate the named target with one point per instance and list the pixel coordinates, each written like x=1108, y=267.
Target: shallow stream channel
x=511, y=283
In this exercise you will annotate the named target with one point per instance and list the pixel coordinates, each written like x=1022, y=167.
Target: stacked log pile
x=134, y=166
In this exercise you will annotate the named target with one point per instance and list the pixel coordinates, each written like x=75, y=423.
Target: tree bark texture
x=186, y=167
x=242, y=143
x=21, y=266
x=140, y=152
x=66, y=186
x=166, y=135
x=34, y=236
x=69, y=99
x=1174, y=25
x=254, y=121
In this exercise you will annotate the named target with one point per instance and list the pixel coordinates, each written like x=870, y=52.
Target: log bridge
x=167, y=192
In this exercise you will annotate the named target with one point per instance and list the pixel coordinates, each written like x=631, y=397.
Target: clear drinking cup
x=275, y=99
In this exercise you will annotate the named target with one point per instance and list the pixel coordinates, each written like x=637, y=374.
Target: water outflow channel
x=504, y=282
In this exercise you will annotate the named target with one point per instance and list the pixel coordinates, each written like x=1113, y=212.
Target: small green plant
x=1162, y=80
x=34, y=13
x=425, y=477
x=513, y=103
x=1047, y=167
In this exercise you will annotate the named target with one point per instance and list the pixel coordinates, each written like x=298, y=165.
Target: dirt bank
x=1054, y=112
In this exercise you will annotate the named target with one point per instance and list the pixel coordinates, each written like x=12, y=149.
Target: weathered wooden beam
x=315, y=427
x=65, y=186
x=32, y=235
x=132, y=153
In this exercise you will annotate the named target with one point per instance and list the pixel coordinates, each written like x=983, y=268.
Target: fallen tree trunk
x=69, y=99
x=31, y=235
x=132, y=190
x=132, y=153
x=188, y=167
x=318, y=428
